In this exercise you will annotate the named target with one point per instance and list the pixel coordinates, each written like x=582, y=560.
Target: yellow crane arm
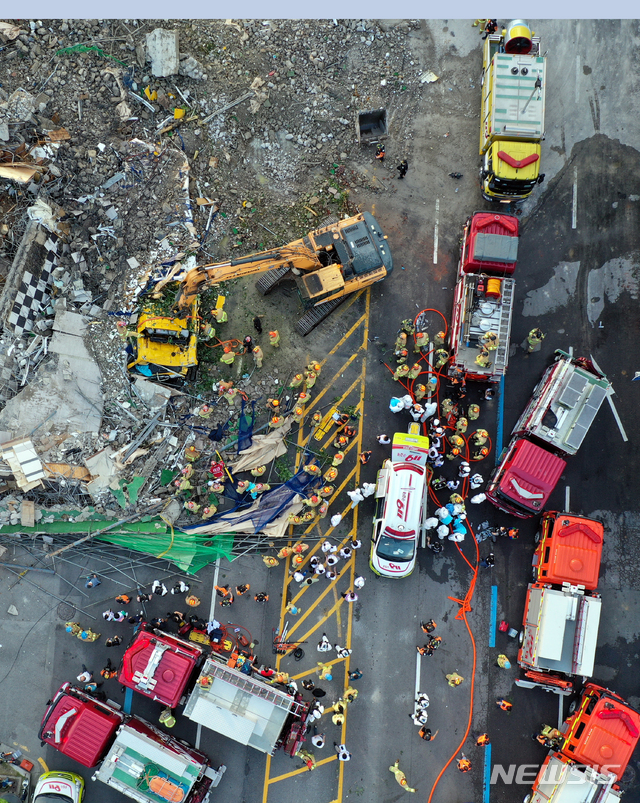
x=197, y=279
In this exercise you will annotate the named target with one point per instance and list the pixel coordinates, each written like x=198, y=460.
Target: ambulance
x=401, y=495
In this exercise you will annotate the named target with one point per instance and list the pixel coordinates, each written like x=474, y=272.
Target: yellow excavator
x=329, y=264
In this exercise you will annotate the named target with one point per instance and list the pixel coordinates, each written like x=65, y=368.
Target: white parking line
x=435, y=233
x=567, y=499
x=574, y=204
x=212, y=611
x=560, y=710
x=418, y=667
x=577, y=75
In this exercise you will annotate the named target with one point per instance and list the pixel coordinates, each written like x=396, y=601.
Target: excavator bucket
x=193, y=283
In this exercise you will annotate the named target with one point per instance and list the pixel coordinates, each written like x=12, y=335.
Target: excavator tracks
x=270, y=279
x=315, y=315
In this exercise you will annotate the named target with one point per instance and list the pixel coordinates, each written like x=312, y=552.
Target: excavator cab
x=321, y=283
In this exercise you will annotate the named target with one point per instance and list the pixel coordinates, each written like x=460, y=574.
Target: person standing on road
x=166, y=718
x=383, y=439
x=402, y=168
x=400, y=777
x=380, y=153
x=85, y=676
x=428, y=627
x=503, y=704
x=489, y=562
x=109, y=671
x=113, y=641
x=464, y=765
x=454, y=679
x=318, y=740
x=343, y=753
x=355, y=675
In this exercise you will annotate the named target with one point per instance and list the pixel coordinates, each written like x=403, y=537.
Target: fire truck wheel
x=573, y=704
x=534, y=573
x=526, y=799
x=521, y=637
x=537, y=537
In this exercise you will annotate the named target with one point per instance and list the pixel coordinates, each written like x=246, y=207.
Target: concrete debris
x=98, y=214
x=12, y=610
x=192, y=68
x=163, y=52
x=19, y=108
x=22, y=458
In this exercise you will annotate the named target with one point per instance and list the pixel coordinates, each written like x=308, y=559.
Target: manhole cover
x=628, y=777
x=65, y=611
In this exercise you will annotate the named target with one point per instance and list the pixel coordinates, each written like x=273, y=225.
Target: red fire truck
x=601, y=731
x=562, y=610
x=552, y=427
x=569, y=550
x=160, y=665
x=562, y=781
x=600, y=735
x=131, y=755
x=483, y=298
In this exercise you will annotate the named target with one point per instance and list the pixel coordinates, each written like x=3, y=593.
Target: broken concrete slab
x=65, y=394
x=154, y=396
x=22, y=458
x=27, y=513
x=102, y=470
x=164, y=52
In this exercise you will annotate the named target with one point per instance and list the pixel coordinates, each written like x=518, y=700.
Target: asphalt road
x=580, y=285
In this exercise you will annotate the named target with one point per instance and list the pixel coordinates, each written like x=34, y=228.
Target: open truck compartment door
x=560, y=631
x=244, y=708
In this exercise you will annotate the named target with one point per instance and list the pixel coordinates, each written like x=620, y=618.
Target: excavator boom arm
x=197, y=279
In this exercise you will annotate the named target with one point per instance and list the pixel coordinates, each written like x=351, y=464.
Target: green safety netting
x=151, y=536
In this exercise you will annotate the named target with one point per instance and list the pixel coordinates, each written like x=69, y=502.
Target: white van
x=401, y=505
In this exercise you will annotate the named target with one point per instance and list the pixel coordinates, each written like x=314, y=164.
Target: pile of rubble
x=126, y=147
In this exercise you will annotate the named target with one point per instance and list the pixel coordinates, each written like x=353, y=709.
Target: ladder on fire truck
x=504, y=331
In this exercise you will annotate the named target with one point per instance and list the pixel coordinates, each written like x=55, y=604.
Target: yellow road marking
x=302, y=769
x=340, y=371
x=265, y=788
x=42, y=763
x=356, y=443
x=349, y=333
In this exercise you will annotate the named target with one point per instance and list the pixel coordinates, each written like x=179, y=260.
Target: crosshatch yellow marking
x=338, y=602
